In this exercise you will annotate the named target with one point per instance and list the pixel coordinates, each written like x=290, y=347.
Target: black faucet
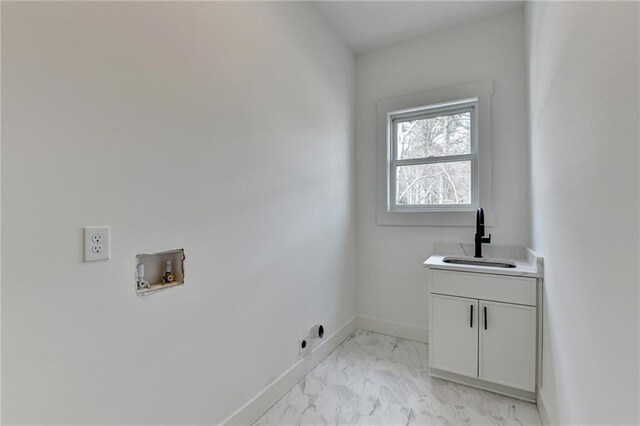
x=480, y=238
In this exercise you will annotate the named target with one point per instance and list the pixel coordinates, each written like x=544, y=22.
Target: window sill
x=464, y=218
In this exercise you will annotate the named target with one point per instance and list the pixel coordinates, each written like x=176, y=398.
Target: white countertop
x=528, y=263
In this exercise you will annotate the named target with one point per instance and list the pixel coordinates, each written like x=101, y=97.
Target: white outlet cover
x=97, y=243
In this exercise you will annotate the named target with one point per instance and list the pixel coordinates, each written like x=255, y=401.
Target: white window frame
x=430, y=111
x=437, y=101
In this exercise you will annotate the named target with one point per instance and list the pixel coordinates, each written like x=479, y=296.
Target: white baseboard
x=542, y=410
x=259, y=404
x=396, y=329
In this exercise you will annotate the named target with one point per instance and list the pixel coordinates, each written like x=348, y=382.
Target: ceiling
x=366, y=25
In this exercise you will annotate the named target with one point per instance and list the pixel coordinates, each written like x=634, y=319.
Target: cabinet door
x=508, y=344
x=454, y=335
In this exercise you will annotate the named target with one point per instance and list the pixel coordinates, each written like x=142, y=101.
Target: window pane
x=434, y=184
x=434, y=137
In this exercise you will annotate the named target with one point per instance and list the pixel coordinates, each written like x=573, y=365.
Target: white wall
x=391, y=280
x=225, y=129
x=583, y=87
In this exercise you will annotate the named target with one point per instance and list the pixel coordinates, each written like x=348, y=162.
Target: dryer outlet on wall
x=97, y=244
x=304, y=345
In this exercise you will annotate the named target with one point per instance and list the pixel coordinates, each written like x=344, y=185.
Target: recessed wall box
x=158, y=271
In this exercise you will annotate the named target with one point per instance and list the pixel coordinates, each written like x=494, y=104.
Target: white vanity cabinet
x=483, y=331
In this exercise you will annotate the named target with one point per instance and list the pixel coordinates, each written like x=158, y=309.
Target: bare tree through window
x=435, y=183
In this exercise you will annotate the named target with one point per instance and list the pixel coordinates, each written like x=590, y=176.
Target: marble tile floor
x=373, y=379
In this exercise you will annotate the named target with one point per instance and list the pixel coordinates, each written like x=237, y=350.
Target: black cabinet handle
x=471, y=316
x=485, y=317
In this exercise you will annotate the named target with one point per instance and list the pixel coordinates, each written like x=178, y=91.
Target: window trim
x=452, y=96
x=430, y=111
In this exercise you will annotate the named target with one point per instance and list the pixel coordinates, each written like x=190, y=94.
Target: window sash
x=429, y=160
x=394, y=163
x=432, y=207
x=416, y=115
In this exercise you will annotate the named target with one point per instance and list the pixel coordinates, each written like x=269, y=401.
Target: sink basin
x=479, y=262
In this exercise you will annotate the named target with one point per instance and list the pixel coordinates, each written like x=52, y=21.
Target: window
x=434, y=156
x=433, y=161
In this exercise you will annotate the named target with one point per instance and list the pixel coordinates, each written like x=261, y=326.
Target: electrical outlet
x=96, y=243
x=304, y=345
